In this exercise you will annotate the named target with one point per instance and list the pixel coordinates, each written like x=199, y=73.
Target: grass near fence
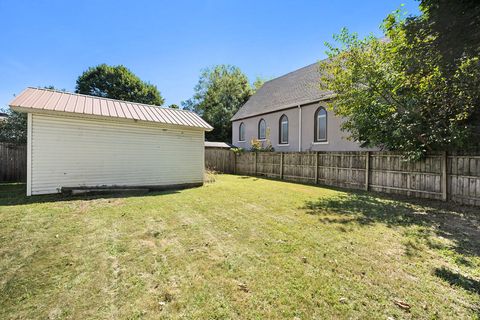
x=239, y=247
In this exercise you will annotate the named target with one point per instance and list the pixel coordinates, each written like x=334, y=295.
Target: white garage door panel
x=69, y=152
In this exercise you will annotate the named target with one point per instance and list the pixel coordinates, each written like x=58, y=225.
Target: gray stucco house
x=290, y=113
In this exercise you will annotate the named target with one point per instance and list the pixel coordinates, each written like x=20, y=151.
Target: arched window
x=283, y=130
x=262, y=129
x=241, y=132
x=320, y=125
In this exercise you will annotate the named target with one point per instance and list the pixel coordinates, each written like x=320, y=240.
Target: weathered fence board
x=438, y=176
x=463, y=181
x=268, y=164
x=245, y=164
x=221, y=160
x=455, y=177
x=13, y=162
x=389, y=172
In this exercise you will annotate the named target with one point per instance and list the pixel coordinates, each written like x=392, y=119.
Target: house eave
x=286, y=107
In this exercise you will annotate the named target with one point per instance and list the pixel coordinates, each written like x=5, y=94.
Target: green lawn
x=238, y=247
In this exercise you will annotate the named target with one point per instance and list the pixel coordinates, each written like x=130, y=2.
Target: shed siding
x=73, y=152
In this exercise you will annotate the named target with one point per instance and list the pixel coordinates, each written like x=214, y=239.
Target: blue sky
x=168, y=42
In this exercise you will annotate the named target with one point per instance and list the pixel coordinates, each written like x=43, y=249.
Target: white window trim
x=321, y=142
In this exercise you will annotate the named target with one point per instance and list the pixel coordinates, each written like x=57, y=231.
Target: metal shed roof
x=46, y=100
x=214, y=144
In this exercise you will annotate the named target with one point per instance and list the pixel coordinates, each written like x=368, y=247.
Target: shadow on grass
x=457, y=223
x=456, y=279
x=14, y=194
x=249, y=178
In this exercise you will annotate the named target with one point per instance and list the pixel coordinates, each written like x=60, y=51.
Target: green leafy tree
x=454, y=27
x=14, y=128
x=405, y=93
x=117, y=82
x=174, y=106
x=220, y=92
x=258, y=83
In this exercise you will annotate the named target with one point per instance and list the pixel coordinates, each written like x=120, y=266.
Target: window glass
x=321, y=125
x=284, y=129
x=241, y=132
x=262, y=129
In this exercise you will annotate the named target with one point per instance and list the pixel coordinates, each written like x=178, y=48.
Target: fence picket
x=438, y=176
x=13, y=162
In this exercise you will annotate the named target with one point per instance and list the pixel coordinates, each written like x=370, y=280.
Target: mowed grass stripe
x=239, y=247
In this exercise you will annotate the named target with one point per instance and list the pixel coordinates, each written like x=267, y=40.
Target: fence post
x=255, y=163
x=281, y=165
x=234, y=162
x=316, y=167
x=444, y=176
x=367, y=170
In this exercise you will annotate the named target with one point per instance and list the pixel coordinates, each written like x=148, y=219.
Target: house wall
x=273, y=123
x=76, y=152
x=336, y=138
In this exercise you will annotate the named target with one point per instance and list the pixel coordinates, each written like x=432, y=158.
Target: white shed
x=80, y=141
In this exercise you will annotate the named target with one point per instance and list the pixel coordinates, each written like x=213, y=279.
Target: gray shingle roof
x=292, y=89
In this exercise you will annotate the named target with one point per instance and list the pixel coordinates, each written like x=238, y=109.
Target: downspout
x=299, y=128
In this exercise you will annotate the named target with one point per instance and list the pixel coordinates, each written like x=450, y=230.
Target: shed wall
x=75, y=152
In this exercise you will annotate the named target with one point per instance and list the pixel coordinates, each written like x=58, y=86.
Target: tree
x=405, y=93
x=220, y=92
x=14, y=128
x=174, y=106
x=453, y=25
x=117, y=82
x=258, y=83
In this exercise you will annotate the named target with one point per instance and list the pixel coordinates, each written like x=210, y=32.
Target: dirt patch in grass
x=84, y=206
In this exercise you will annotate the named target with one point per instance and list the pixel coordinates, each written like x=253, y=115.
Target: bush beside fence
x=439, y=176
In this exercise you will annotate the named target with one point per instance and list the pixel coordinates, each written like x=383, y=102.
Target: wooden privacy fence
x=438, y=176
x=13, y=162
x=221, y=160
